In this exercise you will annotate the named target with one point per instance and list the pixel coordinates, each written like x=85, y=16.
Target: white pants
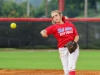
x=68, y=60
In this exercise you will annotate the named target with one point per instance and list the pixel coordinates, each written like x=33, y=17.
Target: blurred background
x=42, y=8
x=27, y=33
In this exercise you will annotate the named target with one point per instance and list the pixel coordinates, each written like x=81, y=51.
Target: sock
x=72, y=73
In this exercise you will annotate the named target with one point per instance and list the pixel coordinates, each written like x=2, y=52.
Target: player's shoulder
x=51, y=26
x=69, y=23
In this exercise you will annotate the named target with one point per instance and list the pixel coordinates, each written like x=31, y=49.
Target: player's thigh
x=63, y=52
x=74, y=56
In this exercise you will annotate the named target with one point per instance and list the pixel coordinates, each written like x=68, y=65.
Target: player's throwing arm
x=44, y=33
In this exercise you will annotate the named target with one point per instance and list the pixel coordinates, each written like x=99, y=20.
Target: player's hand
x=72, y=45
x=44, y=34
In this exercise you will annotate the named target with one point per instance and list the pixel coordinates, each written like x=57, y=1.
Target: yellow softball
x=13, y=25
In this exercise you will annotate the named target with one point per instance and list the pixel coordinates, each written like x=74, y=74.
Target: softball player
x=63, y=31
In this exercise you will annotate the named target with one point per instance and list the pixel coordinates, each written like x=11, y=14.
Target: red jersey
x=63, y=32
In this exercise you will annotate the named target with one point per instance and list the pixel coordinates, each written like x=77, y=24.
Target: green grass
x=88, y=60
x=30, y=60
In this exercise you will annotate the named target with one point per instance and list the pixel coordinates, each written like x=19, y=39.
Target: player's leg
x=64, y=59
x=72, y=59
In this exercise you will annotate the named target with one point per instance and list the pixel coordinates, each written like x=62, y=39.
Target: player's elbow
x=76, y=38
x=43, y=33
x=45, y=36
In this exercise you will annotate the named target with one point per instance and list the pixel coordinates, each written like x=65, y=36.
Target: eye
x=56, y=15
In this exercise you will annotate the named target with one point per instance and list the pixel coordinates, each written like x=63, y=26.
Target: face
x=56, y=17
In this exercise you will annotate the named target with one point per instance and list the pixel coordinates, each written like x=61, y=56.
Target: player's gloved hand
x=72, y=45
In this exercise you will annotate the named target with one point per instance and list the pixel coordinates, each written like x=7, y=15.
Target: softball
x=13, y=25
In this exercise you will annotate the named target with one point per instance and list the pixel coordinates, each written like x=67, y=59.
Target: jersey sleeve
x=50, y=30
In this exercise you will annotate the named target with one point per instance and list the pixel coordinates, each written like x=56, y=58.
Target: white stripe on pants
x=68, y=60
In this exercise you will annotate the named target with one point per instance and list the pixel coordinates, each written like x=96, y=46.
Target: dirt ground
x=45, y=72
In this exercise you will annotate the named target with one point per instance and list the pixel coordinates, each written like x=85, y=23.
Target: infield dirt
x=45, y=72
